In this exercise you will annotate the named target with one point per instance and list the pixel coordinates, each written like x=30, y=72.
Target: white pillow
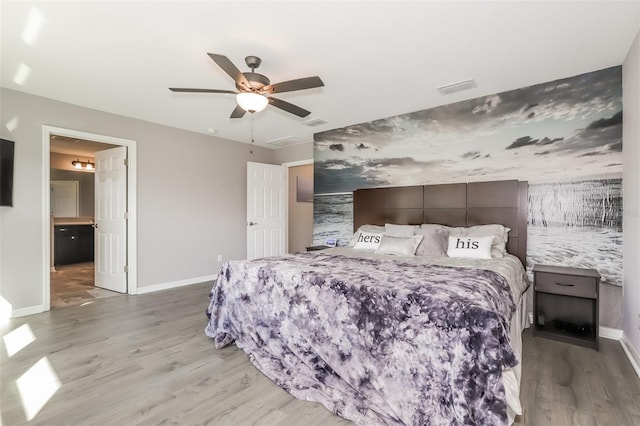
x=368, y=240
x=472, y=247
x=399, y=246
x=365, y=228
x=399, y=230
x=432, y=226
x=498, y=232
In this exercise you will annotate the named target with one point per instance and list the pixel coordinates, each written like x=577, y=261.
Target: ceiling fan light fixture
x=252, y=102
x=256, y=89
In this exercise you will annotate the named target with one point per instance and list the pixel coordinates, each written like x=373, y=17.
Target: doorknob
x=251, y=223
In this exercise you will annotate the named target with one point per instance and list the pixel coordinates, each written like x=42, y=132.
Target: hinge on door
x=126, y=269
x=126, y=162
x=126, y=215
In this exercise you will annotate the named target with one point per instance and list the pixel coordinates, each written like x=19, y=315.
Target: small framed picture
x=331, y=242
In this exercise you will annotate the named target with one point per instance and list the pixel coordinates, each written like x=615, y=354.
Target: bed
x=390, y=338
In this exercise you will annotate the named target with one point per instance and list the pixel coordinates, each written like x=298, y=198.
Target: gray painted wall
x=631, y=189
x=293, y=153
x=191, y=195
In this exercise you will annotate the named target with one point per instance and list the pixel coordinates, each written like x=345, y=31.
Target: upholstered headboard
x=457, y=204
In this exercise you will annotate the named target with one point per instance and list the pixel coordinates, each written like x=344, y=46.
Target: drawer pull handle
x=565, y=285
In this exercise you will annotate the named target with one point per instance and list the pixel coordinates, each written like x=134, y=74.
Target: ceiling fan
x=254, y=89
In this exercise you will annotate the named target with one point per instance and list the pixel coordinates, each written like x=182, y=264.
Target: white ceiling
x=377, y=59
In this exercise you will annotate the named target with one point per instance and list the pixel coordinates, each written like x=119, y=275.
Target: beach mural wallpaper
x=564, y=137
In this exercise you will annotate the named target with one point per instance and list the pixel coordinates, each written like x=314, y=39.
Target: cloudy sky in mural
x=566, y=130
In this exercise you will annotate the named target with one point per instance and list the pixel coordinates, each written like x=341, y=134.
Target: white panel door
x=110, y=219
x=266, y=210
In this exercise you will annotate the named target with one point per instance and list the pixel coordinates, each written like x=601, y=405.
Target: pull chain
x=252, y=141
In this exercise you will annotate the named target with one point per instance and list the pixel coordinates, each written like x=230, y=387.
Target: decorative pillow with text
x=365, y=228
x=368, y=241
x=471, y=247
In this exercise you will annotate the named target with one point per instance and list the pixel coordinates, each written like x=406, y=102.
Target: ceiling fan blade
x=291, y=85
x=228, y=67
x=238, y=112
x=181, y=89
x=286, y=106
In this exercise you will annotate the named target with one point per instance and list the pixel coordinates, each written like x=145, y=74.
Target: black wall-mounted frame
x=7, y=152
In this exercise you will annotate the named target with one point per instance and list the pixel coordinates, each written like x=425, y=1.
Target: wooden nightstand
x=565, y=304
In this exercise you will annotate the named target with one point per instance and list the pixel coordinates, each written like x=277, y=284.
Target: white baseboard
x=633, y=356
x=174, y=284
x=30, y=310
x=610, y=333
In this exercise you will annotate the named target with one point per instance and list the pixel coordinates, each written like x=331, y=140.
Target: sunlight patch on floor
x=37, y=386
x=18, y=339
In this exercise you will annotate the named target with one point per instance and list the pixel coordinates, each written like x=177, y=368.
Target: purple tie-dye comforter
x=377, y=342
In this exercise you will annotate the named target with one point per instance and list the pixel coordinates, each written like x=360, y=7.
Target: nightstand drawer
x=565, y=304
x=570, y=285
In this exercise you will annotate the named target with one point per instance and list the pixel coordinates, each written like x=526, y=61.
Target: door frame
x=132, y=243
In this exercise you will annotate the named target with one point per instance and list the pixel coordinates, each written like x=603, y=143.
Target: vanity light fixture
x=86, y=165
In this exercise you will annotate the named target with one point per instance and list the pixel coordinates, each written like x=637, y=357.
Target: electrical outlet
x=219, y=258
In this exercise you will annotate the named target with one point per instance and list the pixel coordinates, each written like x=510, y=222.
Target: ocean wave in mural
x=577, y=224
x=564, y=137
x=332, y=218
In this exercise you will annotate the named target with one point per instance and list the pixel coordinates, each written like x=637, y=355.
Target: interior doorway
x=72, y=203
x=300, y=205
x=72, y=242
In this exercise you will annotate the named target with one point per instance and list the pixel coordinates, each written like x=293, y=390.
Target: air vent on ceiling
x=458, y=86
x=289, y=140
x=314, y=122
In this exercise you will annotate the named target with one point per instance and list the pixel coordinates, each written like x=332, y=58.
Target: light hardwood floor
x=74, y=285
x=145, y=360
